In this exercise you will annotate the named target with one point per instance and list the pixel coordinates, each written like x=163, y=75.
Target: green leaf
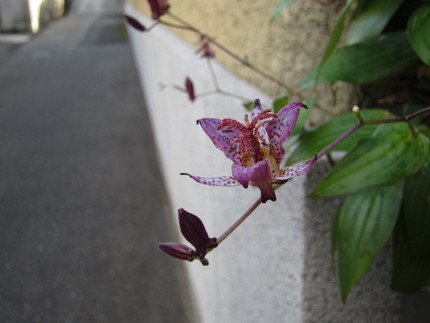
x=389, y=155
x=312, y=141
x=365, y=62
x=279, y=103
x=419, y=32
x=371, y=20
x=409, y=273
x=363, y=225
x=416, y=210
x=411, y=258
x=281, y=5
x=337, y=32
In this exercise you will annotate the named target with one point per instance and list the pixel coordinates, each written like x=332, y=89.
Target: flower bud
x=134, y=23
x=178, y=250
x=189, y=86
x=194, y=231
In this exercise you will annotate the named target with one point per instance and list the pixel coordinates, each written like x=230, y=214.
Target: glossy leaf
x=389, y=155
x=364, y=223
x=419, y=32
x=312, y=141
x=365, y=62
x=371, y=20
x=409, y=273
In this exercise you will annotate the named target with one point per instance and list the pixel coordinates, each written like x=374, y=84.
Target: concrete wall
x=286, y=48
x=277, y=267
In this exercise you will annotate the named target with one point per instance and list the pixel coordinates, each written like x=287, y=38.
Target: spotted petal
x=293, y=171
x=279, y=130
x=215, y=181
x=258, y=175
x=223, y=139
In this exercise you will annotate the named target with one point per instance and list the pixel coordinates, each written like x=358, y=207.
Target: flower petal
x=215, y=181
x=293, y=171
x=279, y=130
x=258, y=175
x=223, y=139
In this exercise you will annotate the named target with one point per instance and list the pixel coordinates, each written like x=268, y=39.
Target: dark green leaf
x=363, y=225
x=416, y=210
x=409, y=273
x=371, y=20
x=313, y=140
x=419, y=32
x=389, y=155
x=365, y=62
x=281, y=5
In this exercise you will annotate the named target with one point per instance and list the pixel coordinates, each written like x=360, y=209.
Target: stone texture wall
x=287, y=48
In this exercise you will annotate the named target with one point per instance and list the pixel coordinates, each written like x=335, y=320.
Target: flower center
x=250, y=142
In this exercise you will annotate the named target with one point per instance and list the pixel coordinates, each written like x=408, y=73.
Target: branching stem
x=324, y=151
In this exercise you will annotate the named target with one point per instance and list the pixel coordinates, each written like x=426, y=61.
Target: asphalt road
x=82, y=203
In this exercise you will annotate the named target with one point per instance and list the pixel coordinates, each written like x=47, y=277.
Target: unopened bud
x=189, y=86
x=134, y=23
x=178, y=250
x=194, y=231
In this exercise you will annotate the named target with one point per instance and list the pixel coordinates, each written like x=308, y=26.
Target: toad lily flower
x=255, y=149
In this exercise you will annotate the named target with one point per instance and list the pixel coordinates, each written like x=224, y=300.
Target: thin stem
x=359, y=124
x=163, y=22
x=214, y=78
x=339, y=140
x=324, y=151
x=239, y=221
x=231, y=54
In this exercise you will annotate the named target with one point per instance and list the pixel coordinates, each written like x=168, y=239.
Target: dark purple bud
x=194, y=231
x=178, y=250
x=134, y=23
x=158, y=8
x=189, y=86
x=207, y=50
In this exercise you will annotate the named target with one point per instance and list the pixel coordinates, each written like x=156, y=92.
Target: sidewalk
x=82, y=202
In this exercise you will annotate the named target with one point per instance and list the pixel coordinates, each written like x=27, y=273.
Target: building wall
x=287, y=48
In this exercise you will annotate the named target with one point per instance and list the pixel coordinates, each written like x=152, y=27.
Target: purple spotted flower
x=255, y=148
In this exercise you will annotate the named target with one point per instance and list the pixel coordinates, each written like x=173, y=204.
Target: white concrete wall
x=277, y=266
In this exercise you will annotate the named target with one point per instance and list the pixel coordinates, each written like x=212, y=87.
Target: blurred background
x=82, y=201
